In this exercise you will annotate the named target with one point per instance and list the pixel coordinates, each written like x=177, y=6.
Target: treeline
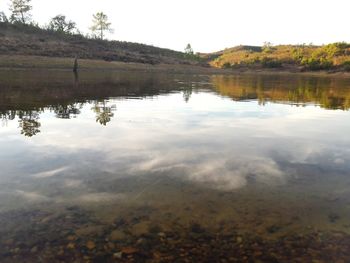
x=20, y=19
x=21, y=16
x=335, y=56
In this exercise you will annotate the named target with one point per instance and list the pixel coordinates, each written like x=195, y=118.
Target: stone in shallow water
x=90, y=245
x=333, y=217
x=71, y=246
x=117, y=235
x=129, y=250
x=118, y=255
x=239, y=240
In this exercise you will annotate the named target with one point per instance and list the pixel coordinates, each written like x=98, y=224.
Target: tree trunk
x=22, y=17
x=75, y=67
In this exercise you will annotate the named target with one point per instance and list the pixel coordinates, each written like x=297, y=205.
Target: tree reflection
x=7, y=116
x=187, y=92
x=29, y=123
x=103, y=112
x=67, y=111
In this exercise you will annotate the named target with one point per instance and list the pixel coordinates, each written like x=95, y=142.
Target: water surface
x=145, y=167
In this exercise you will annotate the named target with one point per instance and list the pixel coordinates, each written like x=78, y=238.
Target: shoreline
x=24, y=62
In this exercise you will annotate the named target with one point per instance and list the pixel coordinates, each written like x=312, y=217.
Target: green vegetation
x=334, y=56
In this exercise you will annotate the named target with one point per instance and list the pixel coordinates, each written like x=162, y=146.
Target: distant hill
x=30, y=40
x=20, y=39
x=334, y=56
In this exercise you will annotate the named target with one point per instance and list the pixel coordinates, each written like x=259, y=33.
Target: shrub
x=271, y=63
x=226, y=65
x=346, y=65
x=317, y=63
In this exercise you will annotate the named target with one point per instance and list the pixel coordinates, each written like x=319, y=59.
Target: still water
x=145, y=167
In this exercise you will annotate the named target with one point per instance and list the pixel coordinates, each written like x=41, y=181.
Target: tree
x=60, y=24
x=101, y=24
x=188, y=49
x=20, y=10
x=3, y=18
x=267, y=47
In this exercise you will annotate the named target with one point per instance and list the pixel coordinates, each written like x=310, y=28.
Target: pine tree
x=101, y=24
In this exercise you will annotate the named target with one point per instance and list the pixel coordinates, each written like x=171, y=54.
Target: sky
x=207, y=25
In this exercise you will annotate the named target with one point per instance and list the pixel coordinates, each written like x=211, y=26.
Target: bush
x=346, y=65
x=226, y=65
x=271, y=63
x=317, y=63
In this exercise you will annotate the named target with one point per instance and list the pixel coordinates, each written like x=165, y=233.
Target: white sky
x=207, y=25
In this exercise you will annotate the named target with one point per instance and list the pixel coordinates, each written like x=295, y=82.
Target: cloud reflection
x=49, y=173
x=31, y=197
x=209, y=141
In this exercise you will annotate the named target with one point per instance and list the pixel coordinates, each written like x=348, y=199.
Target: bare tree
x=60, y=24
x=20, y=10
x=101, y=24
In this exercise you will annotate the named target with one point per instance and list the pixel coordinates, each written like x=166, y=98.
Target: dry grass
x=40, y=62
x=19, y=39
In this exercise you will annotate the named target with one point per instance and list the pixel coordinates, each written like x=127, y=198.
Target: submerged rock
x=333, y=217
x=197, y=228
x=117, y=235
x=129, y=250
x=90, y=245
x=118, y=255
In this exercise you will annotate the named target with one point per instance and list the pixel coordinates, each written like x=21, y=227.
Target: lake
x=122, y=166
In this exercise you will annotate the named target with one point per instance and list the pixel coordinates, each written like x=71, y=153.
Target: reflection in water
x=67, y=100
x=194, y=168
x=329, y=93
x=103, y=112
x=67, y=111
x=29, y=123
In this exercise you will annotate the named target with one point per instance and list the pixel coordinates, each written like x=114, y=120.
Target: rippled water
x=145, y=167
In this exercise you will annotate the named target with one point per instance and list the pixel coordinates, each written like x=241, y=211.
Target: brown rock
x=90, y=245
x=129, y=250
x=117, y=235
x=71, y=246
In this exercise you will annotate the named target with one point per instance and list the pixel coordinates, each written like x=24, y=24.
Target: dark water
x=144, y=167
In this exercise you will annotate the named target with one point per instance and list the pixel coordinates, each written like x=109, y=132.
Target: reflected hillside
x=31, y=90
x=26, y=95
x=328, y=93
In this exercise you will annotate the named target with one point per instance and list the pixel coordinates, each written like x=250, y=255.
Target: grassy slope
x=24, y=46
x=303, y=57
x=29, y=40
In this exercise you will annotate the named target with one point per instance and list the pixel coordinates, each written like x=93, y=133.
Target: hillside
x=334, y=57
x=20, y=40
x=28, y=40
